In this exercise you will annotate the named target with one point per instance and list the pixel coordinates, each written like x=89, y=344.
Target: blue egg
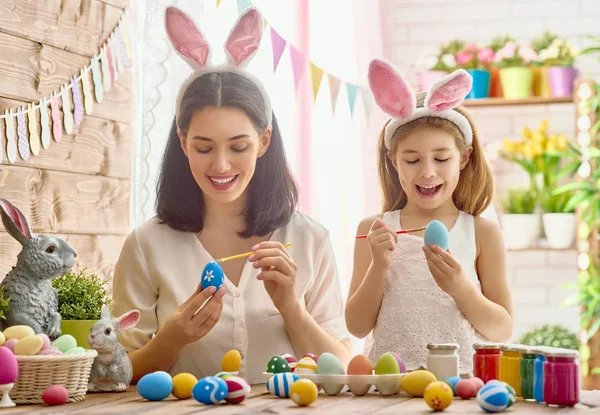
x=210, y=390
x=155, y=386
x=280, y=384
x=452, y=382
x=436, y=233
x=493, y=397
x=212, y=275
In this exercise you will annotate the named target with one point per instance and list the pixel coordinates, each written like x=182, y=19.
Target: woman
x=225, y=188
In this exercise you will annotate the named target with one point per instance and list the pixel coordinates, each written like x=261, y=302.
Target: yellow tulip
x=527, y=133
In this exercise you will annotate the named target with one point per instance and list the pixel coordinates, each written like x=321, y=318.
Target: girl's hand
x=382, y=242
x=446, y=270
x=278, y=273
x=183, y=327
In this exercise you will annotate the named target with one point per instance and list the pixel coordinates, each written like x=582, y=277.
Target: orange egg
x=360, y=365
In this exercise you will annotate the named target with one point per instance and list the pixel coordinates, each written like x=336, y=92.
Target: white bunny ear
x=186, y=38
x=244, y=39
x=449, y=92
x=391, y=92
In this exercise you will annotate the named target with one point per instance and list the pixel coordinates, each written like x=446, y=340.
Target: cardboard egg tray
x=359, y=385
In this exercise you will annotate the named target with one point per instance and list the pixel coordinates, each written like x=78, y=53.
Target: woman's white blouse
x=159, y=268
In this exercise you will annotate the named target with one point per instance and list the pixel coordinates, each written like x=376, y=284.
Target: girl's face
x=429, y=164
x=222, y=146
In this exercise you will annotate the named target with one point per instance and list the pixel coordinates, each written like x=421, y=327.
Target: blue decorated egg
x=436, y=233
x=493, y=397
x=155, y=386
x=212, y=275
x=210, y=390
x=280, y=384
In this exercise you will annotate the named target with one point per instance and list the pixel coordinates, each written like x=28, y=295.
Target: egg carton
x=359, y=385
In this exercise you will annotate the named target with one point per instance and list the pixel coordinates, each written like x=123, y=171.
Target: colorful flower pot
x=495, y=84
x=541, y=83
x=426, y=79
x=562, y=79
x=516, y=82
x=481, y=83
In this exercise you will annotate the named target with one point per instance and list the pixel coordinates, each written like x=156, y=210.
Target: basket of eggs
x=36, y=370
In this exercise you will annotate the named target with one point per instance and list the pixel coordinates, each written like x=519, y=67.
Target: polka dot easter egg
x=278, y=364
x=210, y=390
x=493, y=397
x=304, y=392
x=436, y=233
x=291, y=360
x=212, y=275
x=306, y=366
x=232, y=361
x=155, y=386
x=280, y=384
x=237, y=389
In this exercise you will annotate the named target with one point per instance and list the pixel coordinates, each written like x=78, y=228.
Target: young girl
x=431, y=166
x=225, y=188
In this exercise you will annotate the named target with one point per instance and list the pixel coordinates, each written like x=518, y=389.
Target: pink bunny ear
x=449, y=92
x=244, y=39
x=186, y=38
x=14, y=221
x=391, y=92
x=128, y=320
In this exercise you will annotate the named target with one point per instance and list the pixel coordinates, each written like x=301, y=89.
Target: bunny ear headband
x=397, y=99
x=241, y=46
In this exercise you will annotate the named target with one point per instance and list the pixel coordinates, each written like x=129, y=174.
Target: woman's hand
x=278, y=273
x=382, y=242
x=446, y=270
x=186, y=326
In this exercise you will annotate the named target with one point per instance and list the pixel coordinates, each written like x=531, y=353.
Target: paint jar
x=527, y=371
x=486, y=361
x=561, y=377
x=442, y=360
x=510, y=366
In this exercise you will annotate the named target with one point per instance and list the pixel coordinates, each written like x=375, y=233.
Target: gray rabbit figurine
x=111, y=370
x=33, y=300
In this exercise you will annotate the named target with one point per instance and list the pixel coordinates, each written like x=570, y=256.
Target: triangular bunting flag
x=218, y=3
x=316, y=74
x=298, y=64
x=278, y=47
x=366, y=98
x=243, y=5
x=334, y=89
x=352, y=90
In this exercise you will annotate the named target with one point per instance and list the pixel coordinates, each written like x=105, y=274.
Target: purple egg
x=401, y=364
x=9, y=365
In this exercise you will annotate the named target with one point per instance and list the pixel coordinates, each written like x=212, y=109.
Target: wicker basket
x=37, y=373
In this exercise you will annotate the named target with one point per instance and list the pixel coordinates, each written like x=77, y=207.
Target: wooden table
x=262, y=403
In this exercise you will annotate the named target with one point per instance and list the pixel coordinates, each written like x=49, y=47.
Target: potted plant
x=476, y=60
x=495, y=45
x=559, y=57
x=516, y=76
x=439, y=65
x=80, y=299
x=559, y=220
x=541, y=82
x=519, y=221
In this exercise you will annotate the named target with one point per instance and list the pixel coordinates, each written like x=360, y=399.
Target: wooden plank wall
x=79, y=188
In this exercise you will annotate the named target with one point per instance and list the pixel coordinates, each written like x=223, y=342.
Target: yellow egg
x=304, y=392
x=414, y=383
x=18, y=332
x=232, y=361
x=2, y=339
x=29, y=346
x=438, y=395
x=183, y=384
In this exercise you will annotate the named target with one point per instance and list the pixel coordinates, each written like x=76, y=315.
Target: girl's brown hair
x=475, y=188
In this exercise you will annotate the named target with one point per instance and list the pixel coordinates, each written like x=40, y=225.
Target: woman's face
x=222, y=146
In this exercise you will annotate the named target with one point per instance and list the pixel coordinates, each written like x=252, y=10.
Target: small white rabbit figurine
x=111, y=370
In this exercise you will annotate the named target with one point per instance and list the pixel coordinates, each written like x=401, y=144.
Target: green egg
x=65, y=343
x=329, y=364
x=387, y=365
x=278, y=364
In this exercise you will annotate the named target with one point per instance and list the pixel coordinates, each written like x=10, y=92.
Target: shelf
x=488, y=102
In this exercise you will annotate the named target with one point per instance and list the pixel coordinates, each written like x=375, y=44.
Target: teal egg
x=436, y=233
x=155, y=386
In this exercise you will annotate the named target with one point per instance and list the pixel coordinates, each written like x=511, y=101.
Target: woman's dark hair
x=272, y=191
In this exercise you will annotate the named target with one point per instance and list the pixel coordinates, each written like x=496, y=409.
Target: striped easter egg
x=290, y=359
x=493, y=398
x=210, y=390
x=238, y=389
x=280, y=384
